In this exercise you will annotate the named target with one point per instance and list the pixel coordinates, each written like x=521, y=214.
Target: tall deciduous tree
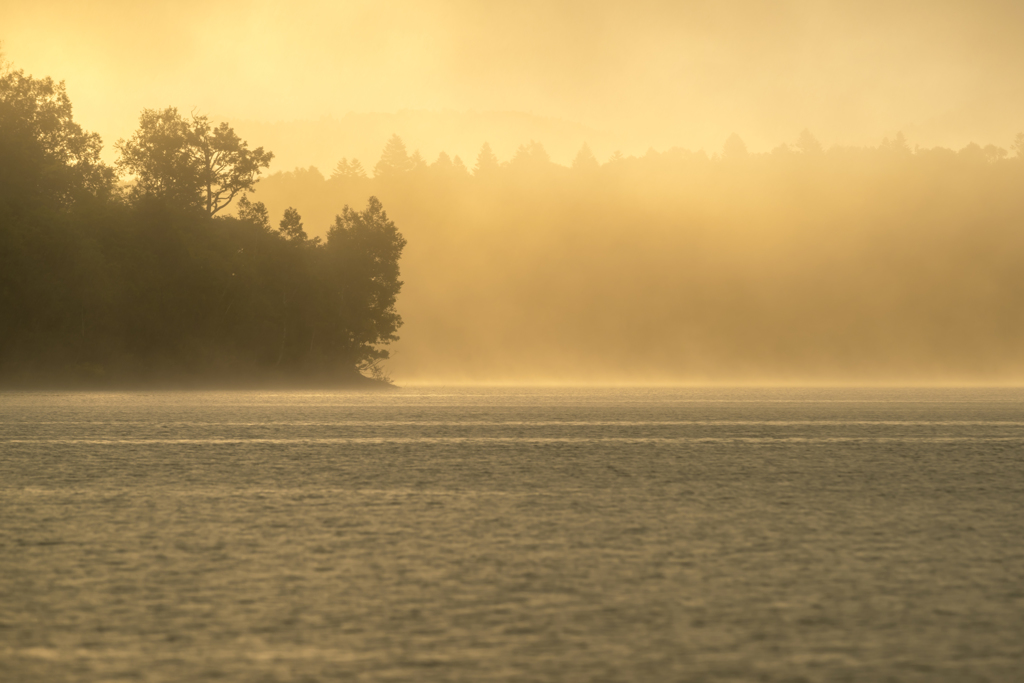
x=190, y=163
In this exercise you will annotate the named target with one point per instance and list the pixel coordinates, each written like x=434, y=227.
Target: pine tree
x=585, y=160
x=734, y=148
x=443, y=163
x=394, y=160
x=486, y=162
x=348, y=169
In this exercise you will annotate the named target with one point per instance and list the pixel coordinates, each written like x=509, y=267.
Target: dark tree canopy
x=44, y=155
x=291, y=226
x=256, y=214
x=190, y=163
x=95, y=288
x=361, y=255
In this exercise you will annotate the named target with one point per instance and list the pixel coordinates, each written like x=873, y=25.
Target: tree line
x=806, y=262
x=137, y=273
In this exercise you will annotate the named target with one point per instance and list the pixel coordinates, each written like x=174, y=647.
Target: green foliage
x=189, y=164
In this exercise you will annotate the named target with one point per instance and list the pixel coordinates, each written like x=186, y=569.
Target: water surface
x=513, y=534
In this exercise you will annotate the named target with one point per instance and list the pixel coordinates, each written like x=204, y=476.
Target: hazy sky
x=657, y=72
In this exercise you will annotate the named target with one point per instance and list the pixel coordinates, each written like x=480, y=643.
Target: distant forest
x=887, y=263
x=136, y=274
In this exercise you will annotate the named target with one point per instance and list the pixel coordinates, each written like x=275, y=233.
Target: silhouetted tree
x=446, y=168
x=348, y=169
x=361, y=256
x=52, y=185
x=291, y=226
x=994, y=153
x=486, y=161
x=1018, y=145
x=585, y=160
x=159, y=158
x=443, y=163
x=807, y=143
x=531, y=156
x=46, y=156
x=255, y=214
x=189, y=163
x=898, y=145
x=394, y=160
x=734, y=148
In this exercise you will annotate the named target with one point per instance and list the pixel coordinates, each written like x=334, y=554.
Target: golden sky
x=657, y=73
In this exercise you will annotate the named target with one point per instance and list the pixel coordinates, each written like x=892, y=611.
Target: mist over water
x=513, y=534
x=880, y=264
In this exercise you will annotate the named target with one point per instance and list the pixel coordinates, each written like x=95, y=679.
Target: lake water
x=437, y=534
